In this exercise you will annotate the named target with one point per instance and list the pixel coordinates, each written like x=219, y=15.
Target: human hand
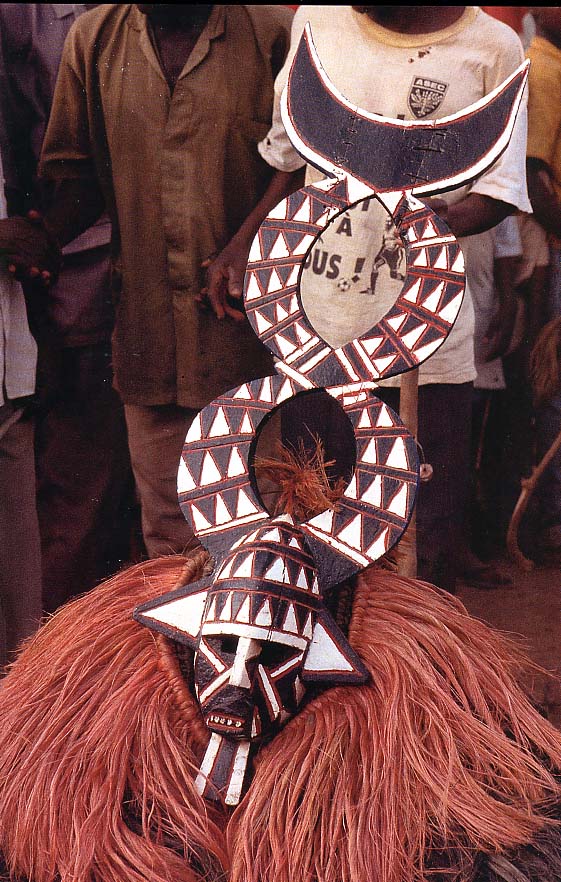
x=30, y=253
x=224, y=281
x=501, y=329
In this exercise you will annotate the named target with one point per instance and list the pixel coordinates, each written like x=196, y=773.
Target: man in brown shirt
x=156, y=116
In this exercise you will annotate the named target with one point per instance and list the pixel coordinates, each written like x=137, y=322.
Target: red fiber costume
x=439, y=768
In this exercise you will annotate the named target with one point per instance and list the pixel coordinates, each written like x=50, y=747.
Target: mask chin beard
x=224, y=769
x=224, y=773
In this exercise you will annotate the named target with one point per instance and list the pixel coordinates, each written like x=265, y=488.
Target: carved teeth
x=225, y=721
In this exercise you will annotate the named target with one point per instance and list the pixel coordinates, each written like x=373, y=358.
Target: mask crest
x=258, y=627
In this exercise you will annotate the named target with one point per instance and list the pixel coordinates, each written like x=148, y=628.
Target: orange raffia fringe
x=93, y=729
x=304, y=488
x=402, y=780
x=405, y=779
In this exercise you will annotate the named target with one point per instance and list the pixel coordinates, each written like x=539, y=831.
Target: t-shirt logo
x=425, y=96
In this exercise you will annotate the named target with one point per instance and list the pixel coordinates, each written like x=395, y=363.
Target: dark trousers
x=20, y=562
x=85, y=490
x=444, y=435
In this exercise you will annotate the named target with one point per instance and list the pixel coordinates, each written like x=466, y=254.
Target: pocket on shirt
x=252, y=128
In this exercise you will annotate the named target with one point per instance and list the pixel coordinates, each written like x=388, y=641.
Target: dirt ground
x=531, y=612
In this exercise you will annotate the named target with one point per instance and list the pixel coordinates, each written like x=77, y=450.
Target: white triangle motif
x=245, y=569
x=397, y=457
x=373, y=494
x=226, y=614
x=277, y=571
x=199, y=520
x=324, y=654
x=384, y=420
x=209, y=472
x=236, y=466
x=243, y=392
x=195, y=431
x=290, y=624
x=279, y=249
x=245, y=505
x=222, y=515
x=185, y=480
x=184, y=614
x=264, y=616
x=244, y=610
x=352, y=533
x=398, y=505
x=220, y=425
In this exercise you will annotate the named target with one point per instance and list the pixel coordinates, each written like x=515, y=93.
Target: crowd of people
x=142, y=146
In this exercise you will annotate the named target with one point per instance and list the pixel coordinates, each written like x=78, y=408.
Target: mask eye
x=224, y=645
x=275, y=654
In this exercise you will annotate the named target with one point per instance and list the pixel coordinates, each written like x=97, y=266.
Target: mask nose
x=247, y=650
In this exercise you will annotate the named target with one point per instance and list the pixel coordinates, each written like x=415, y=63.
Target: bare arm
x=544, y=199
x=225, y=272
x=474, y=214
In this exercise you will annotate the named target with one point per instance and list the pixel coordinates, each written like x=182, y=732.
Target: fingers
x=223, y=285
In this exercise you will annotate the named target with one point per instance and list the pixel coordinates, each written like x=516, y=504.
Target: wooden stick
x=409, y=413
x=528, y=487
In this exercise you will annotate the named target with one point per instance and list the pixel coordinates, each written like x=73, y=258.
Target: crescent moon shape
x=388, y=154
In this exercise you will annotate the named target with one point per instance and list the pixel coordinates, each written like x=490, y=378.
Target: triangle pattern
x=210, y=473
x=236, y=465
x=252, y=290
x=275, y=283
x=245, y=506
x=185, y=481
x=222, y=515
x=379, y=546
x=451, y=310
x=371, y=344
x=412, y=293
x=264, y=617
x=244, y=392
x=185, y=614
x=324, y=654
x=277, y=571
x=220, y=425
x=441, y=261
x=373, y=495
x=397, y=458
x=290, y=624
x=398, y=505
x=459, y=263
x=244, y=611
x=245, y=569
x=198, y=519
x=352, y=534
x=226, y=614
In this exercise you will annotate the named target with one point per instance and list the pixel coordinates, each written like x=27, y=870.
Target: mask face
x=248, y=687
x=255, y=633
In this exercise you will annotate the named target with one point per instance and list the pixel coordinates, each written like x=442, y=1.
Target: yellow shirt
x=544, y=107
x=179, y=172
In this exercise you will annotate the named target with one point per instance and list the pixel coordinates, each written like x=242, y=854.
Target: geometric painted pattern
x=421, y=156
x=216, y=492
x=269, y=574
x=269, y=581
x=410, y=332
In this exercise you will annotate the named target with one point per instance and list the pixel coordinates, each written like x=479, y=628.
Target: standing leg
x=20, y=553
x=156, y=437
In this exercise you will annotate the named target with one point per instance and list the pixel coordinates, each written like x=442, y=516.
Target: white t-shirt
x=412, y=76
